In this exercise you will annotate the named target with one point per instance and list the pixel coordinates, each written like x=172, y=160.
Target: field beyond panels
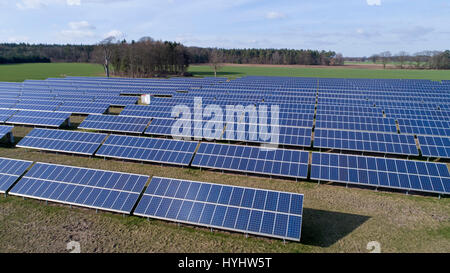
x=21, y=72
x=336, y=218
x=348, y=71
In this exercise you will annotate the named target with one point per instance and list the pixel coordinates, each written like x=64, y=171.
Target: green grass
x=21, y=72
x=334, y=72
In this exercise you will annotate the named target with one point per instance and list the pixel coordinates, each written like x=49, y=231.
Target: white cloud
x=31, y=4
x=373, y=2
x=115, y=33
x=37, y=4
x=73, y=2
x=275, y=15
x=81, y=29
x=80, y=25
x=18, y=39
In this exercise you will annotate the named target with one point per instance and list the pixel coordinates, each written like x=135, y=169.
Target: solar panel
x=279, y=162
x=247, y=210
x=10, y=171
x=114, y=123
x=435, y=146
x=5, y=130
x=98, y=189
x=84, y=107
x=381, y=172
x=38, y=118
x=147, y=149
x=62, y=141
x=37, y=105
x=6, y=114
x=365, y=141
x=425, y=127
x=376, y=124
x=160, y=126
x=154, y=111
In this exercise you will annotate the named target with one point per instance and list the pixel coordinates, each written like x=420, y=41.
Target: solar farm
x=367, y=135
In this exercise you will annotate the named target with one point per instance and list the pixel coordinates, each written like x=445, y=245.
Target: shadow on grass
x=324, y=228
x=211, y=74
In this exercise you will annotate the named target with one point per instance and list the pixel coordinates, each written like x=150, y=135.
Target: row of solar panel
x=37, y=118
x=381, y=172
x=248, y=210
x=176, y=151
x=51, y=106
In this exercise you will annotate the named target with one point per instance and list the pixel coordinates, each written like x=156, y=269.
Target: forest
x=148, y=57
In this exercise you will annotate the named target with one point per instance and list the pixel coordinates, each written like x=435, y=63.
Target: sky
x=351, y=27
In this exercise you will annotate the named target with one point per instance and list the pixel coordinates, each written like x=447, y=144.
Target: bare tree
x=338, y=59
x=402, y=56
x=215, y=61
x=374, y=58
x=385, y=57
x=106, y=45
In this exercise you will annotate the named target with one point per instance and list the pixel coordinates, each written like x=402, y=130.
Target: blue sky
x=352, y=27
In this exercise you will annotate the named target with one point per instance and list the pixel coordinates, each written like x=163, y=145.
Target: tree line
x=419, y=60
x=148, y=57
x=266, y=56
x=144, y=58
x=43, y=53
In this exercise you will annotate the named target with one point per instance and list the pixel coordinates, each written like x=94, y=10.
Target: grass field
x=336, y=218
x=334, y=72
x=22, y=72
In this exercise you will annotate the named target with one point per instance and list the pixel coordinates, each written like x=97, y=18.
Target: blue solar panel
x=62, y=141
x=279, y=162
x=84, y=107
x=6, y=114
x=147, y=149
x=435, y=146
x=153, y=111
x=10, y=171
x=381, y=172
x=5, y=130
x=99, y=189
x=248, y=210
x=50, y=119
x=375, y=124
x=424, y=127
x=160, y=126
x=114, y=123
x=37, y=105
x=365, y=141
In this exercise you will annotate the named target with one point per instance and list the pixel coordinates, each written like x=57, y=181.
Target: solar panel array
x=365, y=141
x=114, y=123
x=168, y=151
x=39, y=118
x=98, y=189
x=63, y=141
x=6, y=114
x=375, y=124
x=251, y=211
x=4, y=130
x=381, y=172
x=278, y=162
x=435, y=146
x=10, y=171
